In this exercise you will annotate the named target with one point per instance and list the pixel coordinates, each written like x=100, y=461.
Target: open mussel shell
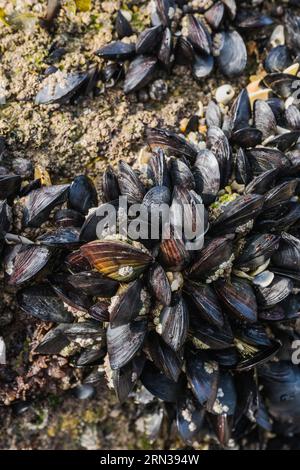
x=207, y=176
x=216, y=252
x=73, y=297
x=62, y=90
x=41, y=302
x=276, y=292
x=237, y=213
x=164, y=358
x=125, y=341
x=82, y=195
x=127, y=304
x=205, y=302
x=92, y=283
x=124, y=379
x=140, y=72
x=223, y=409
x=202, y=374
x=160, y=385
x=285, y=141
x=174, y=323
x=239, y=299
x=9, y=186
x=189, y=418
x=117, y=260
x=129, y=184
x=159, y=284
x=29, y=263
x=261, y=356
x=232, y=58
x=117, y=50
x=171, y=143
x=257, y=250
x=40, y=202
x=282, y=84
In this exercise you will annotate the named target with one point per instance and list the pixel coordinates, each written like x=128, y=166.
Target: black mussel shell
x=75, y=262
x=9, y=186
x=204, y=299
x=174, y=321
x=173, y=254
x=189, y=418
x=280, y=194
x=164, y=358
x=129, y=184
x=122, y=25
x=63, y=237
x=203, y=375
x=5, y=216
x=264, y=119
x=263, y=159
x=124, y=379
x=159, y=284
x=171, y=143
x=82, y=195
x=160, y=385
x=68, y=218
x=278, y=59
x=181, y=174
x=159, y=169
x=87, y=328
x=250, y=20
x=62, y=90
x=100, y=311
x=149, y=39
x=262, y=182
x=260, y=357
x=165, y=55
x=41, y=302
x=207, y=176
x=198, y=35
x=216, y=252
x=98, y=218
x=71, y=296
x=282, y=84
x=257, y=250
x=165, y=10
x=240, y=113
x=247, y=137
x=285, y=141
x=140, y=72
x=92, y=283
x=218, y=143
x=40, y=202
x=213, y=115
x=239, y=299
x=127, y=305
x=292, y=27
x=214, y=15
x=224, y=407
x=54, y=341
x=276, y=292
x=110, y=185
x=292, y=117
x=124, y=342
x=156, y=197
x=211, y=336
x=92, y=356
x=237, y=213
x=287, y=258
x=117, y=51
x=232, y=58
x=184, y=51
x=28, y=264
x=243, y=172
x=202, y=66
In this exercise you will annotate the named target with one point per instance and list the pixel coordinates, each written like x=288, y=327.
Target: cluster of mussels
x=204, y=337
x=196, y=34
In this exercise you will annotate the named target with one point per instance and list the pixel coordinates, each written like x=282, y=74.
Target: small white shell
x=264, y=279
x=224, y=94
x=277, y=37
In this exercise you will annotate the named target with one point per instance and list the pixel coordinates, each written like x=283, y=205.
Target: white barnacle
x=125, y=271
